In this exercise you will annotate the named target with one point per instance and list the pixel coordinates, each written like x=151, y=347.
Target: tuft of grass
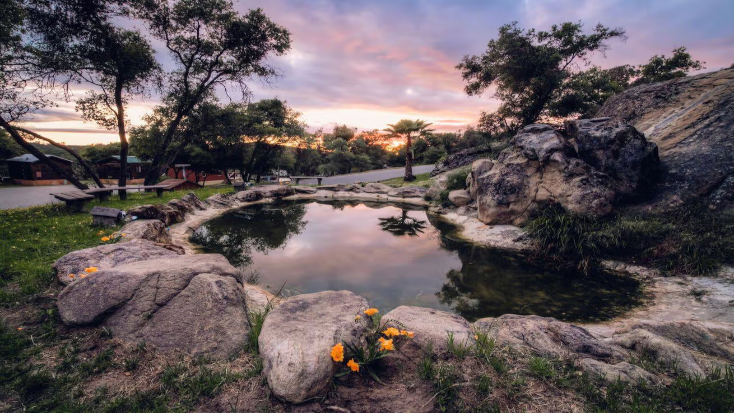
x=256, y=320
x=691, y=240
x=542, y=368
x=697, y=293
x=33, y=238
x=460, y=349
x=484, y=384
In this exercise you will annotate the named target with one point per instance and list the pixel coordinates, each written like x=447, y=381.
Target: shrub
x=457, y=179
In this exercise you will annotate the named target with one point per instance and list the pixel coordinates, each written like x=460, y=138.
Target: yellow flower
x=21, y=328
x=100, y=233
x=352, y=365
x=371, y=311
x=357, y=318
x=91, y=270
x=337, y=352
x=105, y=239
x=476, y=337
x=391, y=331
x=387, y=345
x=123, y=235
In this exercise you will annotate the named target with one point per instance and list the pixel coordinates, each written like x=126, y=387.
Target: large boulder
x=147, y=229
x=108, y=256
x=165, y=213
x=460, y=197
x=192, y=303
x=691, y=120
x=194, y=200
x=461, y=158
x=248, y=196
x=539, y=167
x=618, y=150
x=305, y=189
x=408, y=192
x=181, y=206
x=296, y=339
x=376, y=188
x=222, y=201
x=432, y=327
x=273, y=191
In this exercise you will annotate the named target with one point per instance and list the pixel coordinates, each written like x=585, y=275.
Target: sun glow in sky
x=368, y=64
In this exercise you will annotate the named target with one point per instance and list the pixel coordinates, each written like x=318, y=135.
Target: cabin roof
x=28, y=158
x=116, y=158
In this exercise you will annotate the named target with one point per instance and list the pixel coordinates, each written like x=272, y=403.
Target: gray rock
x=305, y=189
x=164, y=213
x=181, y=206
x=408, y=192
x=622, y=371
x=432, y=327
x=329, y=187
x=376, y=188
x=192, y=303
x=297, y=337
x=147, y=229
x=438, y=184
x=221, y=201
x=194, y=200
x=460, y=197
x=107, y=256
x=537, y=169
x=662, y=349
x=248, y=196
x=547, y=337
x=273, y=191
x=618, y=150
x=461, y=158
x=690, y=119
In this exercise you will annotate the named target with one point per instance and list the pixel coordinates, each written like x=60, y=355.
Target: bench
x=298, y=178
x=104, y=193
x=74, y=200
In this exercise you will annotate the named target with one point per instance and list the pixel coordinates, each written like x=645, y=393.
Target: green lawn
x=420, y=180
x=33, y=238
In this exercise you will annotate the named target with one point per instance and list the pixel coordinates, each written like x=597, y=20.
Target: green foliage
x=661, y=68
x=691, y=240
x=409, y=129
x=444, y=378
x=460, y=349
x=256, y=319
x=457, y=179
x=541, y=367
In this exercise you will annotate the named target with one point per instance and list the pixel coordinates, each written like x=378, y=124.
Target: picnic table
x=74, y=199
x=298, y=178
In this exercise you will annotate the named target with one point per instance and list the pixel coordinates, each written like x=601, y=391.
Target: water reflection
x=395, y=255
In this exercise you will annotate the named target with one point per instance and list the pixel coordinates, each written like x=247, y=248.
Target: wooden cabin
x=109, y=170
x=29, y=170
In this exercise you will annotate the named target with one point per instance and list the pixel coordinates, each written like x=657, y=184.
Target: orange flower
x=410, y=334
x=371, y=311
x=105, y=239
x=391, y=331
x=387, y=345
x=91, y=270
x=82, y=275
x=337, y=352
x=382, y=339
x=352, y=365
x=72, y=276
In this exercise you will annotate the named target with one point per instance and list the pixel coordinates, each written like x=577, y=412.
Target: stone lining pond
x=395, y=254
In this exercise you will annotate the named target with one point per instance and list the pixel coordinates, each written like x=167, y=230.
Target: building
x=192, y=175
x=108, y=170
x=29, y=170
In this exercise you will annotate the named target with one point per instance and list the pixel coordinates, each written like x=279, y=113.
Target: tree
x=661, y=68
x=95, y=153
x=409, y=129
x=211, y=46
x=528, y=68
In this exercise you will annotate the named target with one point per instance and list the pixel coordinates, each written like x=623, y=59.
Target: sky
x=370, y=63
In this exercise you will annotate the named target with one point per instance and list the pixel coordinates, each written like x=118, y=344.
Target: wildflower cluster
x=110, y=238
x=380, y=339
x=87, y=271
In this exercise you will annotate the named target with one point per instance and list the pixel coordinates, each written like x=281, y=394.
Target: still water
x=400, y=255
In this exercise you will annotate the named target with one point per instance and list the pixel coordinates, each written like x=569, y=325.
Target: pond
x=396, y=255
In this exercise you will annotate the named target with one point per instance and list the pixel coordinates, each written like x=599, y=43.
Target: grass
x=690, y=240
x=420, y=180
x=37, y=236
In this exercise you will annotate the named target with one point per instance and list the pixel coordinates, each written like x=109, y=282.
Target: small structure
x=195, y=176
x=106, y=216
x=178, y=184
x=109, y=170
x=29, y=170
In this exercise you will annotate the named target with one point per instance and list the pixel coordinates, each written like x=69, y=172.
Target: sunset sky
x=370, y=63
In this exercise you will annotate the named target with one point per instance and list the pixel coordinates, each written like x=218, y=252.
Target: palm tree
x=403, y=225
x=408, y=129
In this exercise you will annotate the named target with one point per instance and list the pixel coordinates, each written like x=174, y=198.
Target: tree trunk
x=122, y=180
x=38, y=154
x=226, y=177
x=82, y=162
x=408, y=162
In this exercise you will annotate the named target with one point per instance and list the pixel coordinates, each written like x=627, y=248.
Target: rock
x=181, y=206
x=622, y=371
x=460, y=197
x=349, y=188
x=432, y=327
x=546, y=336
x=376, y=188
x=438, y=184
x=305, y=189
x=461, y=158
x=408, y=192
x=297, y=337
x=690, y=119
x=537, y=169
x=618, y=150
x=164, y=213
x=108, y=256
x=273, y=191
x=192, y=303
x=148, y=229
x=194, y=200
x=258, y=299
x=221, y=201
x=329, y=187
x=248, y=196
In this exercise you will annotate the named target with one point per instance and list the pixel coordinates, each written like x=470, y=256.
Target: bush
x=457, y=179
x=691, y=240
